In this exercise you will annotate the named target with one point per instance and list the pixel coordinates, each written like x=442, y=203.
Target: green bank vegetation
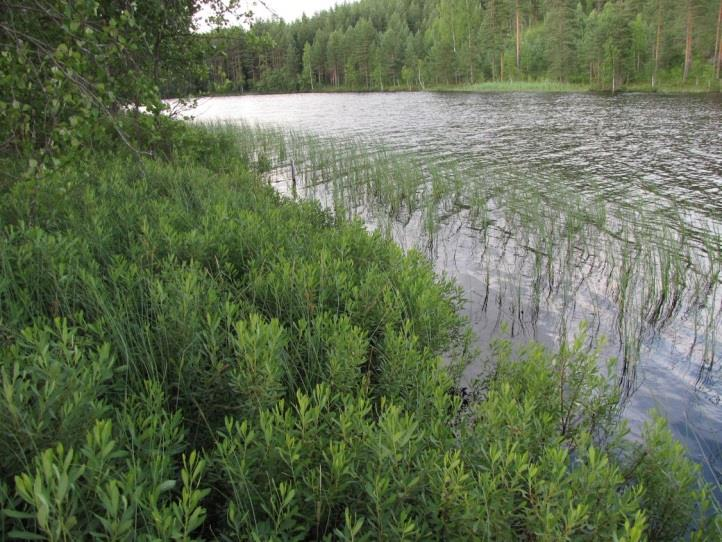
x=426, y=44
x=546, y=85
x=514, y=86
x=185, y=354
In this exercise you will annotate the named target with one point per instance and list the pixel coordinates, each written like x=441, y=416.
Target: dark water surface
x=643, y=171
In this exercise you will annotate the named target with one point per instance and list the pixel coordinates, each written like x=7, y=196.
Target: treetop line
x=374, y=44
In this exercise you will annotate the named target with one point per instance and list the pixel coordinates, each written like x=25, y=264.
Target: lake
x=550, y=210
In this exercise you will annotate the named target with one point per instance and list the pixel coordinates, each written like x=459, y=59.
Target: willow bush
x=186, y=355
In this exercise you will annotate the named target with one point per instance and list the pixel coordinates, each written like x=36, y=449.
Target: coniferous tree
x=660, y=8
x=335, y=56
x=562, y=37
x=375, y=44
x=615, y=40
x=291, y=63
x=391, y=50
x=495, y=33
x=361, y=50
x=308, y=75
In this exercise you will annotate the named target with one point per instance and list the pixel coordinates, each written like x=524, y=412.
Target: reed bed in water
x=630, y=268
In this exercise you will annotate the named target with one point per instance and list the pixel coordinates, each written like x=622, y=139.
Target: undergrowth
x=186, y=355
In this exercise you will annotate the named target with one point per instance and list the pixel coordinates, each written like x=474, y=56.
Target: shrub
x=54, y=384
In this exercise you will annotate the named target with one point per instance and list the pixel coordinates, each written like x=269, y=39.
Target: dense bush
x=186, y=355
x=68, y=67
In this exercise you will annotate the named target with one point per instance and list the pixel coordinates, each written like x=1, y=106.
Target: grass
x=696, y=86
x=515, y=86
x=185, y=354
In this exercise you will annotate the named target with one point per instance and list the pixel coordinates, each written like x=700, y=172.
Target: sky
x=291, y=10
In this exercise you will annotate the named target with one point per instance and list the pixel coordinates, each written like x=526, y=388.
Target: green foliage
x=68, y=68
x=668, y=485
x=368, y=44
x=53, y=384
x=187, y=359
x=106, y=492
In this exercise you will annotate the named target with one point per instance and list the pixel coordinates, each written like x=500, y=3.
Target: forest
x=417, y=44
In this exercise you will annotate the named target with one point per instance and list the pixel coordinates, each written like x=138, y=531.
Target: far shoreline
x=539, y=87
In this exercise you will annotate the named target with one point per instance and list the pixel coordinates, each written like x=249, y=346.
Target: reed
x=651, y=269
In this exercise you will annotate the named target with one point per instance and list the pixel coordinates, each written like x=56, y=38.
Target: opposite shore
x=496, y=87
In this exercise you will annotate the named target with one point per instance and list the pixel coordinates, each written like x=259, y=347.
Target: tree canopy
x=412, y=43
x=67, y=68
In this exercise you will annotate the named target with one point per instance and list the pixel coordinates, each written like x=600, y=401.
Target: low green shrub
x=54, y=383
x=185, y=355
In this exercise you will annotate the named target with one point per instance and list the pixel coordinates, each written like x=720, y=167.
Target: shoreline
x=540, y=87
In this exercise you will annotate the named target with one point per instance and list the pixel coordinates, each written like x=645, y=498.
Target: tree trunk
x=471, y=59
x=718, y=45
x=688, y=43
x=657, y=42
x=518, y=36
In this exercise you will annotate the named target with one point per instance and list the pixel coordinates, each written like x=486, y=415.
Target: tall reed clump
x=643, y=268
x=186, y=355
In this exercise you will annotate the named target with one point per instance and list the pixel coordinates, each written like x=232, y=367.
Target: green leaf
x=166, y=486
x=25, y=535
x=16, y=514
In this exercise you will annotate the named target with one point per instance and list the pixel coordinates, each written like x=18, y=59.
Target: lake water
x=572, y=207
